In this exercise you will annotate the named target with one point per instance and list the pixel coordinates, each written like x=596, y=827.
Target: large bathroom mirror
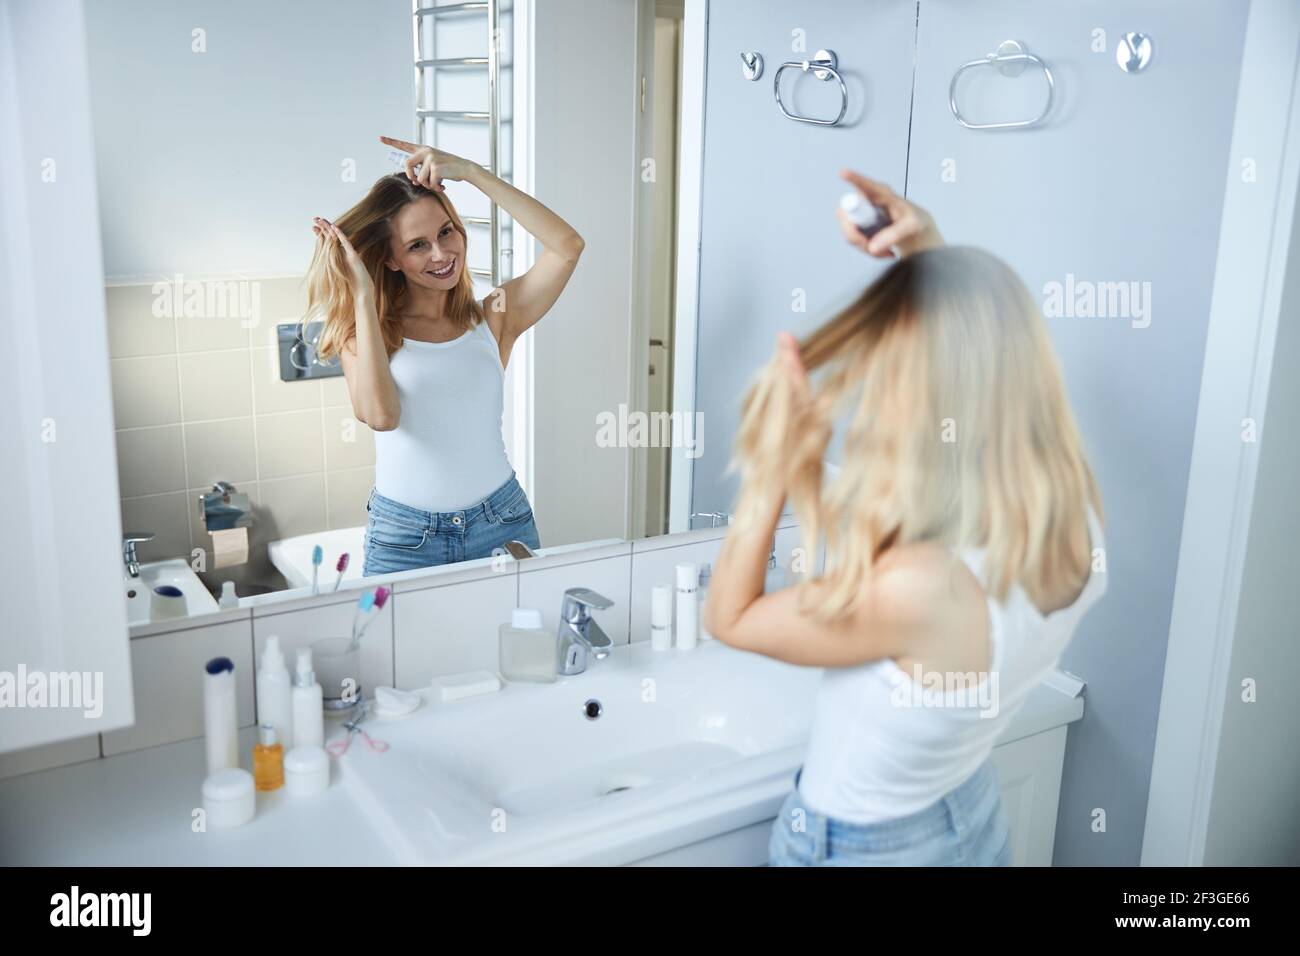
x=221, y=132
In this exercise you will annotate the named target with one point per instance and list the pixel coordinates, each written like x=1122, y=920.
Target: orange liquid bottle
x=268, y=760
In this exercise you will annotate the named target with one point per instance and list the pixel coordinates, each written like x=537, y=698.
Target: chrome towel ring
x=1009, y=59
x=822, y=66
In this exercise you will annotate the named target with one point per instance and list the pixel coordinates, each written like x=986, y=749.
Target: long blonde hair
x=368, y=226
x=960, y=432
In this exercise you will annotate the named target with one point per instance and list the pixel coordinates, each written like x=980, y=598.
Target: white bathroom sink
x=176, y=572
x=688, y=744
x=691, y=757
x=292, y=556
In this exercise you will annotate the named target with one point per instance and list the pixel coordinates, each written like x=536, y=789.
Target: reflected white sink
x=176, y=572
x=292, y=556
x=687, y=745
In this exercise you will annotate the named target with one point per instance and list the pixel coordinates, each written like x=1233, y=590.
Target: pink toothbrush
x=342, y=566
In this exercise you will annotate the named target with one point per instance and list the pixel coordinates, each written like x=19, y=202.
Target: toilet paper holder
x=224, y=508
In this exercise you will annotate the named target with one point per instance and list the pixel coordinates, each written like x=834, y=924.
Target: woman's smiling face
x=426, y=247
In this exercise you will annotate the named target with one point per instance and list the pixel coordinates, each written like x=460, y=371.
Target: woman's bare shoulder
x=937, y=589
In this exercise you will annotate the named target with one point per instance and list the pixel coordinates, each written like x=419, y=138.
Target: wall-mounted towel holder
x=1009, y=59
x=298, y=359
x=823, y=67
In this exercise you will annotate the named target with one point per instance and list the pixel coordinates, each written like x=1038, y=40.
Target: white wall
x=585, y=168
x=216, y=161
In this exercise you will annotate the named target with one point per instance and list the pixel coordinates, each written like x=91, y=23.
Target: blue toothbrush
x=363, y=606
x=317, y=556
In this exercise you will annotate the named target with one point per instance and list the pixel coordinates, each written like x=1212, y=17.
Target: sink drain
x=616, y=790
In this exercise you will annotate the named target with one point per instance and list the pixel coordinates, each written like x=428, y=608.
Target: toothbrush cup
x=338, y=671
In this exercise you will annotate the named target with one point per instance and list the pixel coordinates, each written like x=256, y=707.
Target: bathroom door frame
x=690, y=165
x=1255, y=240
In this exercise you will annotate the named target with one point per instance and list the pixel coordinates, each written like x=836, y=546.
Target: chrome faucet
x=716, y=518
x=579, y=634
x=129, y=540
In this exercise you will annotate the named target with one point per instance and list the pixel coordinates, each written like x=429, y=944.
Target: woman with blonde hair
x=425, y=360
x=963, y=545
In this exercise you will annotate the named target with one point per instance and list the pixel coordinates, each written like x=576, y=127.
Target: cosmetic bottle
x=308, y=710
x=229, y=798
x=274, y=706
x=774, y=579
x=706, y=572
x=868, y=217
x=527, y=651
x=219, y=718
x=228, y=596
x=688, y=606
x=306, y=771
x=661, y=617
x=268, y=759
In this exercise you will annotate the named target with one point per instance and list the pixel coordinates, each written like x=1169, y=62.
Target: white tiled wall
x=543, y=585
x=167, y=673
x=452, y=628
x=198, y=399
x=444, y=623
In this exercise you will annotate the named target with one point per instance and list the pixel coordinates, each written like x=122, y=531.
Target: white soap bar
x=468, y=684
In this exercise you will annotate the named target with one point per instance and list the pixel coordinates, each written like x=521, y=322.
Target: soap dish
x=469, y=684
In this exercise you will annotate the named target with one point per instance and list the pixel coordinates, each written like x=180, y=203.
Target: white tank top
x=880, y=750
x=447, y=452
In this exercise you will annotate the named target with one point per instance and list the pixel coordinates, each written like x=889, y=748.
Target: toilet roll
x=229, y=547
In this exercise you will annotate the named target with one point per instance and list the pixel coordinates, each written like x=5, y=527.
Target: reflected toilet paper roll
x=229, y=547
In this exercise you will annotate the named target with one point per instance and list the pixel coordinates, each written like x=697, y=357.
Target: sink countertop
x=136, y=808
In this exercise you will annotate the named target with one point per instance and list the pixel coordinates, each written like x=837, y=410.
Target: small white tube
x=219, y=716
x=688, y=605
x=661, y=617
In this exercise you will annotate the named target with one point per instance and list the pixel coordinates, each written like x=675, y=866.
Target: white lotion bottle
x=308, y=706
x=702, y=595
x=274, y=701
x=661, y=618
x=219, y=717
x=688, y=606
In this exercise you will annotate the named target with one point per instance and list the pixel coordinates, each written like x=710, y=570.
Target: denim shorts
x=400, y=538
x=967, y=827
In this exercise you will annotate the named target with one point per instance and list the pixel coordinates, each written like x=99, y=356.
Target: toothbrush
x=342, y=566
x=380, y=599
x=317, y=555
x=365, y=604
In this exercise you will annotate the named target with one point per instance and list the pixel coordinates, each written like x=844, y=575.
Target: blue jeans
x=966, y=827
x=399, y=537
